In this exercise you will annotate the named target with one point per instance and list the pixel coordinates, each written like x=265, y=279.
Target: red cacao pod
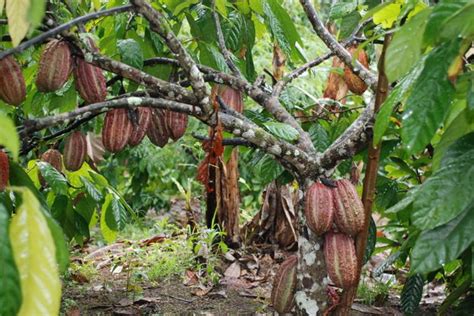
x=54, y=158
x=341, y=260
x=336, y=87
x=231, y=97
x=116, y=130
x=354, y=83
x=140, y=127
x=55, y=66
x=158, y=132
x=75, y=151
x=319, y=208
x=349, y=212
x=4, y=170
x=176, y=123
x=284, y=286
x=12, y=82
x=90, y=82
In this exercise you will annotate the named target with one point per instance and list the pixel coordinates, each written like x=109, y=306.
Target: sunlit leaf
x=9, y=137
x=108, y=232
x=18, y=22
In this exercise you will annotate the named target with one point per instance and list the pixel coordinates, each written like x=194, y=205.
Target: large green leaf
x=449, y=190
x=458, y=25
x=18, y=21
x=429, y=101
x=268, y=169
x=34, y=252
x=282, y=130
x=130, y=52
x=36, y=12
x=53, y=177
x=10, y=291
x=119, y=214
x=444, y=243
x=109, y=233
x=91, y=189
x=411, y=294
x=9, y=137
x=438, y=16
x=405, y=48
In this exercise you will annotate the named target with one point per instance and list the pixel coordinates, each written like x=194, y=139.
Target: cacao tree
x=398, y=100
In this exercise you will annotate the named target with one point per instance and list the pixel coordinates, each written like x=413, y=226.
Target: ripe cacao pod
x=336, y=88
x=116, y=130
x=75, y=151
x=354, y=83
x=12, y=82
x=231, y=97
x=319, y=208
x=158, y=132
x=341, y=260
x=176, y=124
x=284, y=286
x=54, y=158
x=55, y=66
x=140, y=127
x=90, y=82
x=4, y=170
x=349, y=212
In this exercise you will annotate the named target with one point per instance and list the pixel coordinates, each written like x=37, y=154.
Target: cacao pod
x=75, y=151
x=176, y=123
x=55, y=159
x=349, y=212
x=336, y=88
x=116, y=130
x=4, y=170
x=284, y=286
x=55, y=66
x=319, y=208
x=90, y=82
x=341, y=259
x=231, y=97
x=12, y=82
x=140, y=127
x=354, y=83
x=158, y=132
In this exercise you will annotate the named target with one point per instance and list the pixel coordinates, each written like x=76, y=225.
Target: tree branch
x=336, y=47
x=41, y=38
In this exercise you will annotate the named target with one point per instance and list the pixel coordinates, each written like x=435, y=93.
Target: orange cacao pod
x=176, y=123
x=12, y=82
x=231, y=97
x=75, y=151
x=284, y=286
x=158, y=132
x=4, y=170
x=90, y=82
x=319, y=208
x=140, y=127
x=336, y=87
x=349, y=212
x=54, y=158
x=341, y=259
x=55, y=66
x=354, y=83
x=116, y=130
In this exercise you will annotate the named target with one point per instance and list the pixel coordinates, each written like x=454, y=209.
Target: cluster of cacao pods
x=284, y=286
x=55, y=66
x=338, y=213
x=338, y=85
x=4, y=170
x=122, y=127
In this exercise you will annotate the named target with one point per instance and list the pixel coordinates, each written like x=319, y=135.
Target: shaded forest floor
x=156, y=267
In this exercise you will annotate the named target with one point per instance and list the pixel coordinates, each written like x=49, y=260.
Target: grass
x=373, y=293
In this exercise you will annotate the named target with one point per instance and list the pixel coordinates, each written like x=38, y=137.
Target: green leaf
x=449, y=190
x=319, y=137
x=36, y=12
x=268, y=169
x=456, y=25
x=34, y=252
x=2, y=4
x=444, y=243
x=130, y=52
x=53, y=177
x=9, y=137
x=282, y=130
x=91, y=189
x=118, y=212
x=108, y=232
x=438, y=16
x=411, y=294
x=405, y=48
x=10, y=291
x=385, y=15
x=18, y=22
x=371, y=241
x=429, y=101
x=282, y=27
x=341, y=9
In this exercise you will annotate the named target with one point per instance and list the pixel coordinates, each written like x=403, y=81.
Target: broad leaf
x=9, y=137
x=268, y=169
x=36, y=12
x=116, y=214
x=371, y=241
x=53, y=177
x=282, y=130
x=438, y=16
x=411, y=294
x=109, y=233
x=2, y=4
x=429, y=101
x=10, y=291
x=385, y=14
x=319, y=137
x=34, y=252
x=91, y=189
x=443, y=244
x=18, y=22
x=448, y=191
x=405, y=48
x=457, y=24
x=130, y=52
